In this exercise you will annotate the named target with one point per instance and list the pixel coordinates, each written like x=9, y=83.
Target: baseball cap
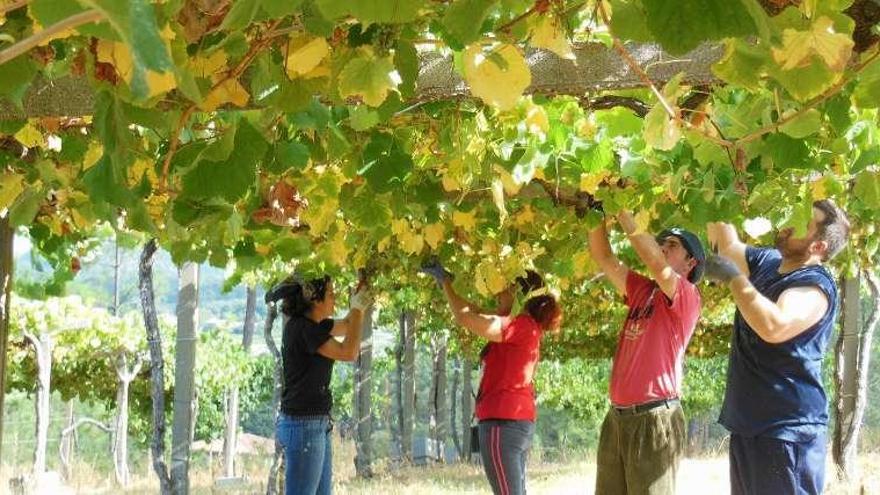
x=692, y=245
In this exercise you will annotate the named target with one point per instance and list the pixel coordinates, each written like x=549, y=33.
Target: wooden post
x=7, y=234
x=184, y=390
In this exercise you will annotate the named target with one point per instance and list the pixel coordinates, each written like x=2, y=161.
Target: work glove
x=720, y=269
x=435, y=269
x=361, y=299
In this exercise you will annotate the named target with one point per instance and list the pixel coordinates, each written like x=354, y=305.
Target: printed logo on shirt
x=633, y=327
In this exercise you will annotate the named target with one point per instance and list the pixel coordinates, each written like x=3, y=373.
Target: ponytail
x=544, y=309
x=298, y=297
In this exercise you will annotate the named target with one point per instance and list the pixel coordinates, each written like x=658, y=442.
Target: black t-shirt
x=306, y=387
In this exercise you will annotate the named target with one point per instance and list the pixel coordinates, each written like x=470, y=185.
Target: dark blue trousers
x=762, y=465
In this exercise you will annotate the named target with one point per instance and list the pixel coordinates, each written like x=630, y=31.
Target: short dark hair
x=544, y=309
x=833, y=230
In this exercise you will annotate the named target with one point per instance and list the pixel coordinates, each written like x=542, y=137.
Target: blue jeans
x=307, y=454
x=762, y=465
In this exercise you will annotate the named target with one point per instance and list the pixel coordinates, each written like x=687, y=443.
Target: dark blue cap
x=692, y=245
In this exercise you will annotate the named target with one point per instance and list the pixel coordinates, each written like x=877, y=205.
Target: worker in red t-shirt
x=643, y=435
x=506, y=399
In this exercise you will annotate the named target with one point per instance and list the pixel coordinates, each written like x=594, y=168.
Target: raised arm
x=350, y=327
x=600, y=250
x=796, y=310
x=649, y=252
x=725, y=241
x=486, y=325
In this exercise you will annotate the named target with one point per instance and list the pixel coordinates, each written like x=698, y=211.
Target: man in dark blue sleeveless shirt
x=775, y=405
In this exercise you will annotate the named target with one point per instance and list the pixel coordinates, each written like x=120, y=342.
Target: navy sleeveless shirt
x=775, y=390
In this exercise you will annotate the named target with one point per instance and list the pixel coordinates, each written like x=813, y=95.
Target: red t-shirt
x=650, y=348
x=506, y=390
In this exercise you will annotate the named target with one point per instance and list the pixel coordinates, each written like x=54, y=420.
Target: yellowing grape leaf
x=498, y=77
x=304, y=54
x=498, y=199
x=583, y=264
x=467, y=221
x=93, y=154
x=383, y=244
x=537, y=121
x=11, y=185
x=320, y=215
x=119, y=55
x=661, y=131
x=30, y=136
x=411, y=243
x=549, y=34
x=450, y=183
x=799, y=46
x=488, y=278
x=511, y=185
x=820, y=189
x=230, y=91
x=338, y=249
x=590, y=182
x=525, y=217
x=137, y=170
x=433, y=234
x=210, y=67
x=642, y=219
x=368, y=77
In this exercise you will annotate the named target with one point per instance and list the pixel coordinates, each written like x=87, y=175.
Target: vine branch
x=9, y=7
x=634, y=65
x=35, y=39
x=245, y=62
x=832, y=91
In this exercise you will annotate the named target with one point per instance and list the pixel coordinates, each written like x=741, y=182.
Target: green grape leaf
x=386, y=164
x=742, y=64
x=406, y=59
x=867, y=91
x=363, y=118
x=804, y=125
x=25, y=208
x=231, y=178
x=806, y=82
x=464, y=19
x=367, y=76
x=280, y=8
x=867, y=189
x=289, y=155
x=682, y=26
x=240, y=15
x=384, y=11
x=629, y=20
x=17, y=76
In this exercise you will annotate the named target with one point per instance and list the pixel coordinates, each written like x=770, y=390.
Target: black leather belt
x=647, y=406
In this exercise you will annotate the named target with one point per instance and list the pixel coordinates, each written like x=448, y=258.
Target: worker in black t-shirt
x=308, y=351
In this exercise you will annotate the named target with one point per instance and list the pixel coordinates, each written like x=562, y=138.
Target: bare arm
x=488, y=326
x=600, y=250
x=797, y=310
x=723, y=238
x=348, y=349
x=649, y=252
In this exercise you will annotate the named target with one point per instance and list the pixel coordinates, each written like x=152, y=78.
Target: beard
x=798, y=249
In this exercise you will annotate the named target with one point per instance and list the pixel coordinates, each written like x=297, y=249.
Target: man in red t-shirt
x=643, y=434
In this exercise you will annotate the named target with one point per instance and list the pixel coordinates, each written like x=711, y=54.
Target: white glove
x=361, y=300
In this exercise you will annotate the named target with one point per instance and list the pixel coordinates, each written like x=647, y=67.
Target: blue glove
x=435, y=269
x=720, y=269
